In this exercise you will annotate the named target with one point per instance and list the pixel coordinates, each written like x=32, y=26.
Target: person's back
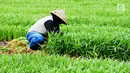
x=39, y=25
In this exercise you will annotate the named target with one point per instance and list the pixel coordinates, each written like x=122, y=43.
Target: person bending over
x=38, y=33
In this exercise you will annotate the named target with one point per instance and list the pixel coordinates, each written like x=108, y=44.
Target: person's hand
x=61, y=33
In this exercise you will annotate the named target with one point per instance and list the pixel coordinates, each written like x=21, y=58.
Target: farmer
x=37, y=34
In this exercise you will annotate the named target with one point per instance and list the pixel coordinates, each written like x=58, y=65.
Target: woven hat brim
x=59, y=17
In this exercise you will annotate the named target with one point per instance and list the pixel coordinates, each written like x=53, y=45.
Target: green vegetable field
x=96, y=39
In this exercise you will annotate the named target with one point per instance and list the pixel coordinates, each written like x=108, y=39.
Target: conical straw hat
x=60, y=14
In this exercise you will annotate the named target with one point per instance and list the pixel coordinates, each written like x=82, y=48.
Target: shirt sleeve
x=51, y=27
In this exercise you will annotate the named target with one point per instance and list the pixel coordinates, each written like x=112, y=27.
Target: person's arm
x=51, y=27
x=57, y=29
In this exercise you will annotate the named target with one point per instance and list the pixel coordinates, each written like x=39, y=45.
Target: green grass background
x=95, y=29
x=20, y=15
x=40, y=63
